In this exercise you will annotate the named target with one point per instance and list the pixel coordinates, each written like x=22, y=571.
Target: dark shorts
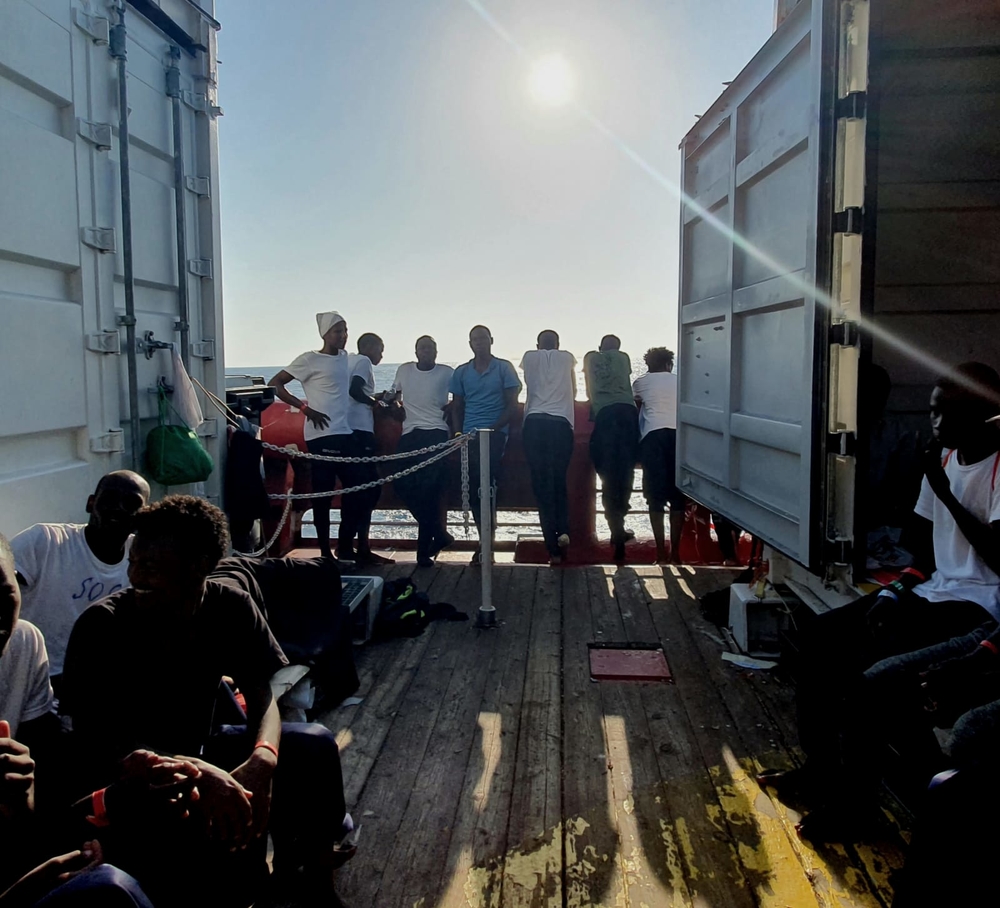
x=658, y=457
x=325, y=474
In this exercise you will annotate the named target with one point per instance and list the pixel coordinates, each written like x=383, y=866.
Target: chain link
x=454, y=443
x=380, y=458
x=274, y=538
x=465, y=488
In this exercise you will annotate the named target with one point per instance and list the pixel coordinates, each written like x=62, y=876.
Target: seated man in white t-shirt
x=656, y=396
x=67, y=567
x=550, y=379
x=952, y=588
x=422, y=390
x=325, y=379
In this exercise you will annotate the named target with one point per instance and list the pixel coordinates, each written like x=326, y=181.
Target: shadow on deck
x=487, y=768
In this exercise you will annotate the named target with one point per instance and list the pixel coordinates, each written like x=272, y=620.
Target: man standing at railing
x=550, y=377
x=485, y=393
x=422, y=387
x=325, y=378
x=614, y=442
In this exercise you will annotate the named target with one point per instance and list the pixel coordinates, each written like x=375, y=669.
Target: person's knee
x=308, y=742
x=105, y=885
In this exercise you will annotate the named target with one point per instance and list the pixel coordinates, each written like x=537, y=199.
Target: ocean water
x=527, y=521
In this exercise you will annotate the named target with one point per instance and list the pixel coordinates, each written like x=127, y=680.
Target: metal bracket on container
x=844, y=444
x=98, y=134
x=199, y=185
x=204, y=349
x=196, y=100
x=845, y=334
x=148, y=346
x=100, y=238
x=105, y=342
x=852, y=106
x=97, y=27
x=208, y=429
x=111, y=442
x=839, y=551
x=201, y=267
x=850, y=221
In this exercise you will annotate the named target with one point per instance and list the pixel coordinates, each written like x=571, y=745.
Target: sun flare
x=551, y=80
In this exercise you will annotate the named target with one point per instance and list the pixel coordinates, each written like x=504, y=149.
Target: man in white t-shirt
x=67, y=567
x=325, y=378
x=549, y=411
x=356, y=508
x=656, y=395
x=25, y=691
x=952, y=588
x=422, y=390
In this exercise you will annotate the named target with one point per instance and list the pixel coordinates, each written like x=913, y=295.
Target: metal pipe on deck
x=487, y=613
x=117, y=48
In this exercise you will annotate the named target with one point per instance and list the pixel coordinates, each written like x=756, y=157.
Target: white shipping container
x=65, y=414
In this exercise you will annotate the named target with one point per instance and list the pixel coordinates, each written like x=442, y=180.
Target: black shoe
x=441, y=543
x=789, y=784
x=425, y=561
x=846, y=821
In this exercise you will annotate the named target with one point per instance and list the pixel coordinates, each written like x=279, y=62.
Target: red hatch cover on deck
x=628, y=662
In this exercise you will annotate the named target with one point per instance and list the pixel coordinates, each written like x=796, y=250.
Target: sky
x=388, y=159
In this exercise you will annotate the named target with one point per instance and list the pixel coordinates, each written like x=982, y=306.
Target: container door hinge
x=208, y=429
x=111, y=442
x=842, y=443
x=98, y=134
x=849, y=221
x=199, y=101
x=845, y=334
x=201, y=267
x=97, y=27
x=100, y=238
x=105, y=342
x=125, y=321
x=199, y=185
x=840, y=551
x=852, y=106
x=203, y=349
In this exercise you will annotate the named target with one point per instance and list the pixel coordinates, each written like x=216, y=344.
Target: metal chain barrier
x=465, y=488
x=329, y=458
x=274, y=538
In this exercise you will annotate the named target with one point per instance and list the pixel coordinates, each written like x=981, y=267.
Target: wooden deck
x=487, y=768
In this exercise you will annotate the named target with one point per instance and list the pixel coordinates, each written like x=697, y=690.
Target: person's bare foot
x=555, y=560
x=367, y=556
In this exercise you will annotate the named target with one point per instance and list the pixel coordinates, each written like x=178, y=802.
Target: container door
x=763, y=184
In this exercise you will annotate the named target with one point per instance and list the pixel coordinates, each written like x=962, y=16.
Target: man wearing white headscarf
x=325, y=378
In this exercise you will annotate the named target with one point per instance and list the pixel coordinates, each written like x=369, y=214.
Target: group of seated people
x=920, y=653
x=143, y=760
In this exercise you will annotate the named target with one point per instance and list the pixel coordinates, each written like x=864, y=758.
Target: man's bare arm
x=319, y=420
x=509, y=409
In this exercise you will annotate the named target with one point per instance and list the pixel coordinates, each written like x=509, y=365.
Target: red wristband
x=100, y=815
x=991, y=646
x=267, y=745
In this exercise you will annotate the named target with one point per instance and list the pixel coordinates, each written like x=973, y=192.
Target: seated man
x=66, y=567
x=143, y=670
x=956, y=543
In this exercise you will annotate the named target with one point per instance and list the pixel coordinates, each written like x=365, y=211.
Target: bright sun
x=551, y=80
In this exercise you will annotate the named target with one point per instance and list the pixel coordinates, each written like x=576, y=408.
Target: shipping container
x=68, y=415
x=842, y=209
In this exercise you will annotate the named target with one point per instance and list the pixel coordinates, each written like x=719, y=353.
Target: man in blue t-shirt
x=485, y=393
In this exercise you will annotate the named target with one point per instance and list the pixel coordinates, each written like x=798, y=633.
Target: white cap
x=326, y=320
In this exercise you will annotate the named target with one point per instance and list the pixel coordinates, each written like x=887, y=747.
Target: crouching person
x=143, y=671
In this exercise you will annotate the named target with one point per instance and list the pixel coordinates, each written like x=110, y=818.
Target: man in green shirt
x=614, y=442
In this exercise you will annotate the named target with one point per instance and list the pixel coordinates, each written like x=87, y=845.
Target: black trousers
x=324, y=479
x=498, y=444
x=614, y=449
x=548, y=446
x=422, y=491
x=834, y=715
x=356, y=508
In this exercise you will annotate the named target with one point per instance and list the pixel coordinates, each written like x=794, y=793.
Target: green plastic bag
x=174, y=456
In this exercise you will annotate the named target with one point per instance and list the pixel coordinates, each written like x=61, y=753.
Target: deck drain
x=628, y=662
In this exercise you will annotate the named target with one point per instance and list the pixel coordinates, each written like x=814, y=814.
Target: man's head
x=427, y=351
x=10, y=594
x=178, y=542
x=115, y=502
x=371, y=345
x=333, y=329
x=610, y=342
x=659, y=359
x=480, y=340
x=548, y=340
x=961, y=404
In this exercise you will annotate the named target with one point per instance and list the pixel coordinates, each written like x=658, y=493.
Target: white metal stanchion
x=487, y=613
